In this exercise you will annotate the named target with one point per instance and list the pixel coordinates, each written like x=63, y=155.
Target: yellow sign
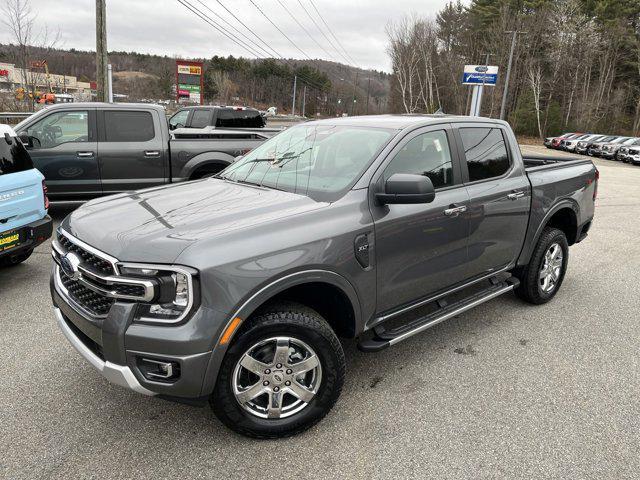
x=191, y=70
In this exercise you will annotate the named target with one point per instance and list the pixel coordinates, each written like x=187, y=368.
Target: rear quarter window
x=228, y=118
x=14, y=157
x=485, y=152
x=128, y=126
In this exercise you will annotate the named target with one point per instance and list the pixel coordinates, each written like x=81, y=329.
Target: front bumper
x=118, y=374
x=115, y=344
x=35, y=233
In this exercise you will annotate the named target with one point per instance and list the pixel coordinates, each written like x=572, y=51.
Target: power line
x=305, y=30
x=237, y=30
x=250, y=30
x=211, y=22
x=331, y=31
x=215, y=25
x=278, y=28
x=324, y=34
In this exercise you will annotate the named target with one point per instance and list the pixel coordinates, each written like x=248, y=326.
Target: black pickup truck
x=86, y=150
x=235, y=288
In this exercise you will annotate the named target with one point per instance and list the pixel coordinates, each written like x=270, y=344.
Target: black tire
x=297, y=322
x=530, y=289
x=16, y=259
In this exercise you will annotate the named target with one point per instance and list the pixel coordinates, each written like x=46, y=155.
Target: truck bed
x=532, y=162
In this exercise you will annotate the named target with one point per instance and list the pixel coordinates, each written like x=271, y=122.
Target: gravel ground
x=504, y=391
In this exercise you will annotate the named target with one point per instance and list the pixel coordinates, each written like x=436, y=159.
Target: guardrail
x=13, y=117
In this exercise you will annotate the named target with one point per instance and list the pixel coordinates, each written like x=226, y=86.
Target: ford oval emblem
x=481, y=68
x=69, y=264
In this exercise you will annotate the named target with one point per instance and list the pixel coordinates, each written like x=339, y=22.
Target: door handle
x=515, y=195
x=84, y=154
x=151, y=153
x=454, y=211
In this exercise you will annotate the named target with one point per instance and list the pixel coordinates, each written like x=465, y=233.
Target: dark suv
x=217, y=116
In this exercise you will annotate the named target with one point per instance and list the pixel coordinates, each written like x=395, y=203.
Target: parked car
x=87, y=150
x=554, y=142
x=623, y=152
x=24, y=223
x=235, y=289
x=607, y=150
x=610, y=150
x=633, y=155
x=581, y=145
x=594, y=146
x=572, y=144
x=220, y=117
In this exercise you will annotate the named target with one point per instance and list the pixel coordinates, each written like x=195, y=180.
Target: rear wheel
x=282, y=375
x=541, y=279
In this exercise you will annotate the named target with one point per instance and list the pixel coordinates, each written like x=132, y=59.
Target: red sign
x=4, y=73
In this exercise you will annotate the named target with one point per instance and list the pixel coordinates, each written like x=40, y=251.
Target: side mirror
x=407, y=188
x=25, y=139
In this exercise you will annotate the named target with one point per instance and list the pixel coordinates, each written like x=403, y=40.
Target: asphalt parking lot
x=507, y=390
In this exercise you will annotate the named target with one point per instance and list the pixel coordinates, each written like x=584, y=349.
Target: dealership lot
x=506, y=390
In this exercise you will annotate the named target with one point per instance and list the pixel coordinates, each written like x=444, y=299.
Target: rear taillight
x=595, y=187
x=44, y=194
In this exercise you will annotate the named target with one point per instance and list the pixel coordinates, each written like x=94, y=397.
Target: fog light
x=159, y=370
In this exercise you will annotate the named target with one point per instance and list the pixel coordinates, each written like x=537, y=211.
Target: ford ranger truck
x=24, y=223
x=235, y=289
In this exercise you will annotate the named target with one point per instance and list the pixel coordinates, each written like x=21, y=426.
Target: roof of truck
x=75, y=105
x=397, y=121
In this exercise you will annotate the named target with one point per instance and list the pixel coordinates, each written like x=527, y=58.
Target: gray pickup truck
x=87, y=150
x=235, y=289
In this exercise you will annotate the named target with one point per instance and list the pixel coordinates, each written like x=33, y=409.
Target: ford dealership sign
x=480, y=75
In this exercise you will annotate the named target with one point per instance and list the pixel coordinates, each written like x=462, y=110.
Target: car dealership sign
x=480, y=75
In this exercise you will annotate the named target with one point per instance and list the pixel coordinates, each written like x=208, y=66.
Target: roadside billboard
x=189, y=82
x=480, y=75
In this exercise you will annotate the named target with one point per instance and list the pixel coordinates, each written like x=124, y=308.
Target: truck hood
x=156, y=225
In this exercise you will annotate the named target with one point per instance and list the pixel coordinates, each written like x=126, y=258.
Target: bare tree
x=534, y=73
x=19, y=18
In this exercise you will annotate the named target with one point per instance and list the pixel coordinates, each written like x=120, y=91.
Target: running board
x=384, y=338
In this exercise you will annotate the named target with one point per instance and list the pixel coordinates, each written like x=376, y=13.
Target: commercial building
x=12, y=78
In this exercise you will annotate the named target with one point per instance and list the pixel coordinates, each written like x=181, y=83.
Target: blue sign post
x=479, y=76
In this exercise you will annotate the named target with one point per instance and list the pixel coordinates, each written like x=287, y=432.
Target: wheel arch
x=204, y=161
x=285, y=288
x=564, y=216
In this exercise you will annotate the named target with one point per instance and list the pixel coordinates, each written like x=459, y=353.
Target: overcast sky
x=169, y=28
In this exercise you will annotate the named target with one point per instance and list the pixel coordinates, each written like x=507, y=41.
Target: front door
x=500, y=196
x=64, y=148
x=131, y=150
x=421, y=248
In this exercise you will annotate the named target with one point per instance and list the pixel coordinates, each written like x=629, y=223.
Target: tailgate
x=21, y=199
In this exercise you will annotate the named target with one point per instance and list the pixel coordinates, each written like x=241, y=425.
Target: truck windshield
x=14, y=157
x=320, y=161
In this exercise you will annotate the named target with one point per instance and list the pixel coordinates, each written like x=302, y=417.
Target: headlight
x=175, y=291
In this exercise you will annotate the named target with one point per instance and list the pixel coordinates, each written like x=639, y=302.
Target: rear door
x=64, y=148
x=499, y=193
x=131, y=150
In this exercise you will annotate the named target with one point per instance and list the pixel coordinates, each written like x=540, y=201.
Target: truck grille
x=93, y=302
x=99, y=265
x=94, y=285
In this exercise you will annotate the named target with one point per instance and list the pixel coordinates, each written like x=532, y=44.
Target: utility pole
x=353, y=104
x=304, y=100
x=368, y=88
x=503, y=106
x=293, y=106
x=101, y=51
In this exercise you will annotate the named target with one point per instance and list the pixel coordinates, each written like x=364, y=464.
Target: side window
x=485, y=151
x=179, y=119
x=427, y=154
x=200, y=118
x=59, y=128
x=224, y=118
x=128, y=126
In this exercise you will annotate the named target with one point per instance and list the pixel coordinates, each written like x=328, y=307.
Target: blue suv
x=24, y=223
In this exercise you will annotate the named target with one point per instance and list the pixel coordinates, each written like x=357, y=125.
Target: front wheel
x=282, y=375
x=541, y=279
